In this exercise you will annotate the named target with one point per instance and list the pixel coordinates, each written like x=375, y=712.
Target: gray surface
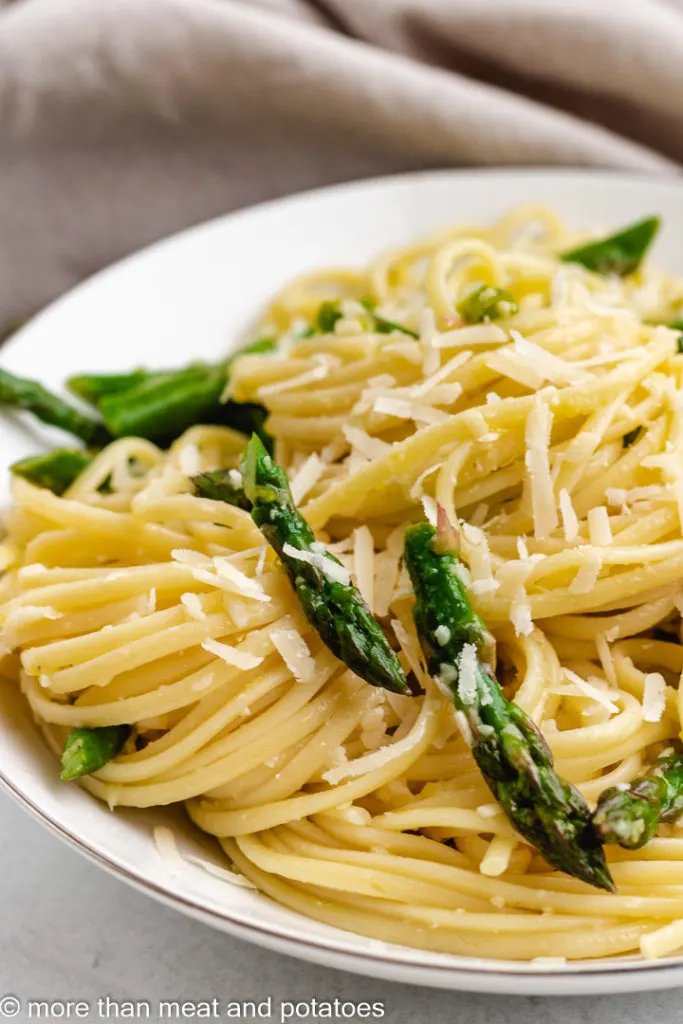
x=69, y=931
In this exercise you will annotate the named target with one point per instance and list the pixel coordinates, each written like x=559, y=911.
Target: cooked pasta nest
x=554, y=436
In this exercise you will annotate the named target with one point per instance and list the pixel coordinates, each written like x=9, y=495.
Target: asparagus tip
x=72, y=761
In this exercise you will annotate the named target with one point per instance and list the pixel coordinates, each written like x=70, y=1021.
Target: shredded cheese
x=367, y=446
x=295, y=653
x=590, y=691
x=232, y=655
x=328, y=566
x=238, y=581
x=599, y=530
x=193, y=606
x=306, y=478
x=587, y=575
x=537, y=461
x=654, y=697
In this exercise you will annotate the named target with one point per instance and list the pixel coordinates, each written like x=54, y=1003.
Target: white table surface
x=69, y=931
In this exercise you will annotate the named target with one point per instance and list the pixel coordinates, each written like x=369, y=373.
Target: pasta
x=552, y=436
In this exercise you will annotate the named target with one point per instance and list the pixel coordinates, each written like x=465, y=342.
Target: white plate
x=197, y=295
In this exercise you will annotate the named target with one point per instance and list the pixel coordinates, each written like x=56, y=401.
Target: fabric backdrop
x=124, y=120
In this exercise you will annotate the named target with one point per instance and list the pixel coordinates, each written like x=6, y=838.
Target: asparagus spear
x=222, y=485
x=87, y=750
x=486, y=303
x=630, y=816
x=20, y=393
x=160, y=404
x=333, y=606
x=57, y=470
x=621, y=253
x=92, y=387
x=511, y=753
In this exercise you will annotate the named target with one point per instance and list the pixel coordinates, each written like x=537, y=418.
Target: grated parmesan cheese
x=570, y=522
x=185, y=556
x=429, y=507
x=324, y=364
x=306, y=478
x=467, y=674
x=489, y=810
x=599, y=530
x=442, y=374
x=476, y=334
x=590, y=691
x=233, y=877
x=654, y=697
x=295, y=653
x=35, y=569
x=167, y=848
x=232, y=655
x=416, y=489
x=442, y=635
x=509, y=363
x=406, y=410
x=606, y=659
x=367, y=446
x=520, y=616
x=189, y=460
x=377, y=758
x=537, y=461
x=263, y=551
x=28, y=615
x=464, y=728
x=551, y=367
x=328, y=566
x=241, y=583
x=588, y=573
x=193, y=606
x=616, y=496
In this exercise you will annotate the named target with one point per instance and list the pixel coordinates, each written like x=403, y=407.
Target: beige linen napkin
x=124, y=120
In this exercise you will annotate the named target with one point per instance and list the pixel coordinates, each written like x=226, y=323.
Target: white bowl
x=196, y=295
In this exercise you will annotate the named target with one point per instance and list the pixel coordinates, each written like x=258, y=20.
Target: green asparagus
x=87, y=750
x=621, y=253
x=92, y=387
x=511, y=753
x=222, y=485
x=333, y=606
x=157, y=405
x=57, y=470
x=161, y=404
x=29, y=395
x=486, y=303
x=630, y=816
